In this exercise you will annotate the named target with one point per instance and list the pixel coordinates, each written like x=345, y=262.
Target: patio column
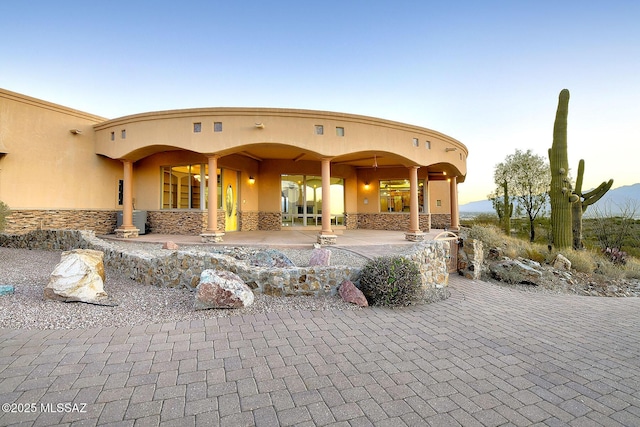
x=427, y=201
x=453, y=190
x=326, y=236
x=127, y=229
x=212, y=234
x=414, y=233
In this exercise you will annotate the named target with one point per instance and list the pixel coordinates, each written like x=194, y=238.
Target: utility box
x=139, y=221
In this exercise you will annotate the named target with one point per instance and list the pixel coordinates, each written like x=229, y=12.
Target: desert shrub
x=4, y=213
x=610, y=270
x=582, y=261
x=535, y=253
x=391, y=281
x=632, y=268
x=490, y=236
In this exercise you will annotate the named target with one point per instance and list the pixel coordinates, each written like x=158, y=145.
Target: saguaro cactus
x=584, y=201
x=560, y=193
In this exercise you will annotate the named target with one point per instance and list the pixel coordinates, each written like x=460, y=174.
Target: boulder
x=349, y=293
x=320, y=257
x=561, y=263
x=170, y=245
x=222, y=289
x=270, y=258
x=514, y=271
x=78, y=277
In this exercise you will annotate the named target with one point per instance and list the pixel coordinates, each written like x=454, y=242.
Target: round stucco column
x=453, y=190
x=212, y=213
x=212, y=234
x=127, y=229
x=414, y=218
x=326, y=196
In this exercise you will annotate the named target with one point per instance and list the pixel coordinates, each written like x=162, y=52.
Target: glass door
x=301, y=200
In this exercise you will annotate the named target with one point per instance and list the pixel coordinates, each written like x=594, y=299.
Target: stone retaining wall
x=183, y=268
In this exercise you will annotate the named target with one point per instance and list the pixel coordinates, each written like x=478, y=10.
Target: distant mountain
x=617, y=200
x=481, y=206
x=613, y=202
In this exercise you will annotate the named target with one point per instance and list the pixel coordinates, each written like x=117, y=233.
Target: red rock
x=170, y=245
x=350, y=293
x=320, y=257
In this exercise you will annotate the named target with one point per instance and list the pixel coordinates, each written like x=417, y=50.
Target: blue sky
x=486, y=73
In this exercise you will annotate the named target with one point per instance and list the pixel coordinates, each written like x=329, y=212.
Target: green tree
x=527, y=178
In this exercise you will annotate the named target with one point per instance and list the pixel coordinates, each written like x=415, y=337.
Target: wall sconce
x=450, y=149
x=366, y=185
x=252, y=180
x=259, y=125
x=75, y=131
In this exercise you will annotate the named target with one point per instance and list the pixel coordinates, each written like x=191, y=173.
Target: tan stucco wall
x=46, y=166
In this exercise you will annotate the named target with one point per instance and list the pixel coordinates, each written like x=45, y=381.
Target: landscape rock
x=514, y=271
x=222, y=289
x=350, y=293
x=561, y=263
x=270, y=258
x=79, y=277
x=320, y=257
x=170, y=245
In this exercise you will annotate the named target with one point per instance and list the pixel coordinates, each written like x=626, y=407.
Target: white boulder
x=78, y=277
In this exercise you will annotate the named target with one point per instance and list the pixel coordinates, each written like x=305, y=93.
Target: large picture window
x=186, y=187
x=395, y=196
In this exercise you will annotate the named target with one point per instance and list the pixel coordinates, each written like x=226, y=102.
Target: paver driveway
x=486, y=356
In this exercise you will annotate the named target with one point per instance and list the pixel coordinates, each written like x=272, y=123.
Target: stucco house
x=274, y=169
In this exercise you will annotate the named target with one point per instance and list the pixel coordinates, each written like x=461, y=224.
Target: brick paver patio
x=486, y=356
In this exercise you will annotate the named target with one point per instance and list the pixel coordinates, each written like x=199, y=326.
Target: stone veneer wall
x=269, y=220
x=24, y=221
x=187, y=222
x=249, y=220
x=183, y=268
x=441, y=221
x=391, y=221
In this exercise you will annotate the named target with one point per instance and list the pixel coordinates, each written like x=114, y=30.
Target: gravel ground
x=29, y=271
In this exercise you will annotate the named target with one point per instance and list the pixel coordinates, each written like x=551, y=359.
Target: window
x=123, y=134
x=113, y=136
x=428, y=145
x=395, y=195
x=339, y=131
x=319, y=130
x=120, y=191
x=197, y=127
x=217, y=126
x=186, y=187
x=416, y=142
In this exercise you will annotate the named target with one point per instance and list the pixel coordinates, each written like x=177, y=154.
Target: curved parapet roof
x=266, y=133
